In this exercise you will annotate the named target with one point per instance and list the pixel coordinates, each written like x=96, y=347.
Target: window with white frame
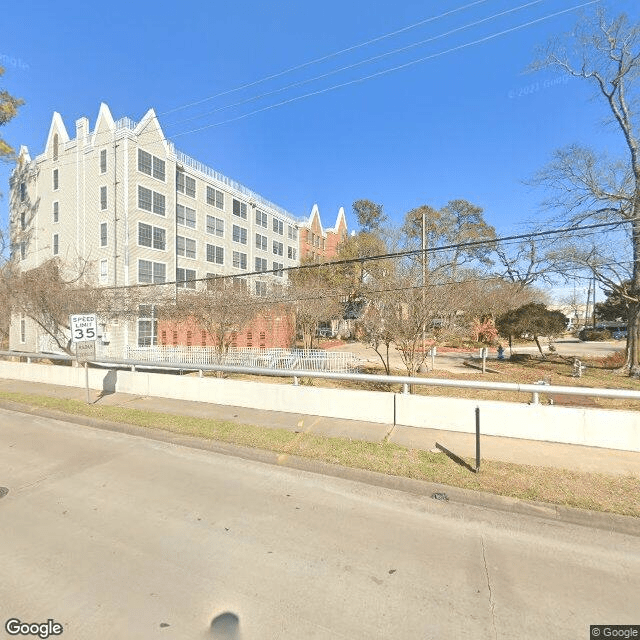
x=56, y=144
x=103, y=234
x=261, y=288
x=239, y=209
x=261, y=218
x=215, y=226
x=278, y=226
x=261, y=264
x=186, y=216
x=239, y=234
x=215, y=254
x=23, y=328
x=151, y=272
x=278, y=248
x=151, y=165
x=291, y=253
x=277, y=269
x=103, y=269
x=185, y=247
x=215, y=198
x=103, y=161
x=152, y=237
x=185, y=184
x=55, y=244
x=23, y=250
x=239, y=260
x=55, y=212
x=103, y=198
x=185, y=278
x=23, y=221
x=149, y=200
x=56, y=183
x=261, y=242
x=23, y=191
x=147, y=326
x=292, y=232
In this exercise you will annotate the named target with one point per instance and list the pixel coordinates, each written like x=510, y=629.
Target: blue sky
x=464, y=124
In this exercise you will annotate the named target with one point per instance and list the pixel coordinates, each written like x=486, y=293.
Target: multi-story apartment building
x=124, y=201
x=317, y=243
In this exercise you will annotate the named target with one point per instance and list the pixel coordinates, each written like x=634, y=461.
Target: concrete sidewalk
x=549, y=454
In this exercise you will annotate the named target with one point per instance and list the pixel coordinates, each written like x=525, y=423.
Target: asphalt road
x=122, y=537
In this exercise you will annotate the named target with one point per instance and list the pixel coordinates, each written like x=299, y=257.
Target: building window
x=55, y=244
x=103, y=269
x=292, y=233
x=185, y=278
x=239, y=260
x=154, y=237
x=261, y=242
x=291, y=253
x=55, y=212
x=151, y=272
x=239, y=234
x=55, y=180
x=175, y=338
x=203, y=338
x=278, y=248
x=103, y=161
x=23, y=221
x=261, y=264
x=56, y=142
x=277, y=269
x=186, y=216
x=151, y=200
x=215, y=254
x=103, y=198
x=103, y=234
x=151, y=165
x=261, y=218
x=239, y=209
x=278, y=226
x=147, y=325
x=185, y=184
x=23, y=191
x=215, y=226
x=261, y=288
x=215, y=198
x=23, y=329
x=185, y=247
x=23, y=250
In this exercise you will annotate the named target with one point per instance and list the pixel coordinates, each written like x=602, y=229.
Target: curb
x=613, y=523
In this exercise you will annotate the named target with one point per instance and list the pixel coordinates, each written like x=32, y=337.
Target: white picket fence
x=305, y=359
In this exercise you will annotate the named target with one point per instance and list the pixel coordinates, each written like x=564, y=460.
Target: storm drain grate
x=440, y=496
x=3, y=492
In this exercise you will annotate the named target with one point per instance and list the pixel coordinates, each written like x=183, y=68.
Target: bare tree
x=586, y=185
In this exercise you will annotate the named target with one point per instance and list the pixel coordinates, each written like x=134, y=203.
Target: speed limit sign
x=84, y=327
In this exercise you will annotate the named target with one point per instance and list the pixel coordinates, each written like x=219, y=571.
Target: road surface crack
x=492, y=604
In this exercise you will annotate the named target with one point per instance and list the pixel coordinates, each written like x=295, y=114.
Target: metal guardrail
x=406, y=381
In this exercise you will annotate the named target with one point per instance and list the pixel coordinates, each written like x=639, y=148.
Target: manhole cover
x=440, y=496
x=3, y=492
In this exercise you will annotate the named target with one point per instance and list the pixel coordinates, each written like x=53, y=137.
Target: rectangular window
x=158, y=168
x=291, y=253
x=103, y=269
x=239, y=209
x=103, y=161
x=186, y=247
x=215, y=226
x=215, y=198
x=261, y=218
x=278, y=226
x=158, y=203
x=103, y=234
x=185, y=184
x=292, y=233
x=261, y=242
x=55, y=244
x=23, y=190
x=261, y=264
x=185, y=278
x=55, y=180
x=23, y=221
x=277, y=268
x=144, y=162
x=23, y=329
x=261, y=288
x=239, y=260
x=147, y=326
x=215, y=254
x=103, y=198
x=23, y=250
x=153, y=237
x=55, y=212
x=278, y=248
x=239, y=234
x=151, y=272
x=186, y=216
x=151, y=200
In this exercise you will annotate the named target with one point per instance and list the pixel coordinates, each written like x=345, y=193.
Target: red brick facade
x=321, y=244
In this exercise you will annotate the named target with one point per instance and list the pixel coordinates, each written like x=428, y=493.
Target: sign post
x=84, y=330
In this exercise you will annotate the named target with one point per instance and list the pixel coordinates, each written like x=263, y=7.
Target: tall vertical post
x=594, y=302
x=477, y=439
x=424, y=278
x=86, y=380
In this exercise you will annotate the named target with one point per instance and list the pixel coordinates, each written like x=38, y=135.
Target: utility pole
x=424, y=279
x=594, y=302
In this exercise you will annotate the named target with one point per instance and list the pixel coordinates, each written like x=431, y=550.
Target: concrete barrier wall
x=572, y=425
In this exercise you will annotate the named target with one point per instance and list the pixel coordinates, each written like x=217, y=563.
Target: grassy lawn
x=600, y=492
